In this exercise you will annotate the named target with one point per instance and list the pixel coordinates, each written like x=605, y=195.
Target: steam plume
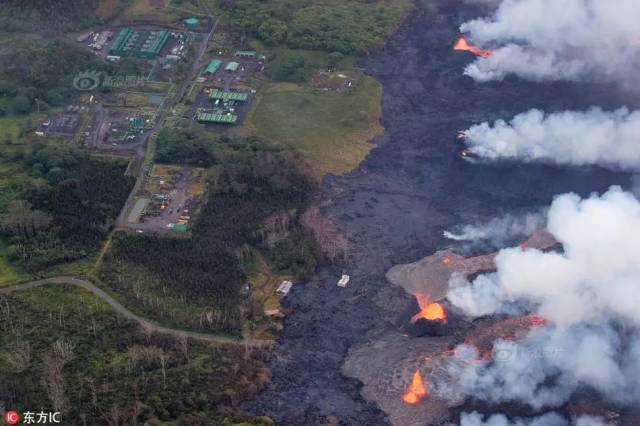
x=558, y=40
x=549, y=419
x=501, y=230
x=589, y=293
x=593, y=137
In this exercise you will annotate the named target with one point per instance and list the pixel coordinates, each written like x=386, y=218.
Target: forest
x=67, y=210
x=63, y=349
x=348, y=27
x=29, y=15
x=247, y=182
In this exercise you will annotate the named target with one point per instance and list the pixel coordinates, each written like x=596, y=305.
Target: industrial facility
x=212, y=117
x=141, y=44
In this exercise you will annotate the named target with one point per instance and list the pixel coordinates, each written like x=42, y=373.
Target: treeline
x=47, y=15
x=247, y=182
x=188, y=146
x=349, y=27
x=67, y=210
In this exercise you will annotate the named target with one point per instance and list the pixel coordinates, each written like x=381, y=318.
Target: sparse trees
x=54, y=361
x=22, y=220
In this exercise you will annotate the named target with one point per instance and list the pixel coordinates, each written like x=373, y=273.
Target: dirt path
x=120, y=309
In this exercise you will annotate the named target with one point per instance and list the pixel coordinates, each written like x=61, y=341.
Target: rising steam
x=589, y=295
x=550, y=419
x=594, y=137
x=558, y=40
x=499, y=231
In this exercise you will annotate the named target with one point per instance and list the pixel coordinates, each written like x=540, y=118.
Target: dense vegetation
x=66, y=211
x=36, y=73
x=29, y=15
x=248, y=181
x=62, y=349
x=189, y=146
x=351, y=26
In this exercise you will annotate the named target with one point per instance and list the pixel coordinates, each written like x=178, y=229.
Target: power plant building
x=141, y=44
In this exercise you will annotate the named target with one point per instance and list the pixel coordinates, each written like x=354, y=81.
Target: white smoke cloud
x=549, y=419
x=501, y=230
x=593, y=137
x=583, y=292
x=558, y=40
x=597, y=276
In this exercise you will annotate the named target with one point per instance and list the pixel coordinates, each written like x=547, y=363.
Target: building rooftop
x=232, y=66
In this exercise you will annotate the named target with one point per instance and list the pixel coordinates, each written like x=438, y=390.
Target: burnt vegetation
x=65, y=350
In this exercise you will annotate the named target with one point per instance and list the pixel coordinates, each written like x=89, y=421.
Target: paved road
x=120, y=309
x=121, y=221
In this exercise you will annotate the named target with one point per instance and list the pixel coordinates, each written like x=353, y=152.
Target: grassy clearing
x=107, y=9
x=149, y=10
x=331, y=130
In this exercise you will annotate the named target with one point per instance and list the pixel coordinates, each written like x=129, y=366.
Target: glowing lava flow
x=429, y=311
x=416, y=390
x=463, y=44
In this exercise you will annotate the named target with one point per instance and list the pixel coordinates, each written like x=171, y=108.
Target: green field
x=331, y=130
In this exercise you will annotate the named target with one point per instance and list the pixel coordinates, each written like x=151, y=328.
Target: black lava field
x=396, y=205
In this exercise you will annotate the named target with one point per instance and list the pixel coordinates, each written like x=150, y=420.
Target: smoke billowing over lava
x=559, y=40
x=588, y=293
x=593, y=137
x=464, y=45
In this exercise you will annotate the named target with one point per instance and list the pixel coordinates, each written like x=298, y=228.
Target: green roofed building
x=207, y=117
x=154, y=43
x=118, y=46
x=228, y=96
x=191, y=22
x=232, y=66
x=180, y=227
x=213, y=66
x=141, y=44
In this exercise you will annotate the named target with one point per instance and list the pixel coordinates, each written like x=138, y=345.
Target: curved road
x=120, y=309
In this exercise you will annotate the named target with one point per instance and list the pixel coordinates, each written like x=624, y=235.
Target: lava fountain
x=429, y=311
x=463, y=44
x=416, y=390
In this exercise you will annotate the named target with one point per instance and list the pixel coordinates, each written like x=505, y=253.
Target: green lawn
x=331, y=130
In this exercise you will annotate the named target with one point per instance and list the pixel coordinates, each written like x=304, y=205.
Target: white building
x=284, y=288
x=344, y=280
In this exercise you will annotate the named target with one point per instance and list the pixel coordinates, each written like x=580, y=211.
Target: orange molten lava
x=463, y=44
x=429, y=311
x=446, y=261
x=416, y=390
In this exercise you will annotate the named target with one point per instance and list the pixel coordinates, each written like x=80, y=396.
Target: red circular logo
x=11, y=417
